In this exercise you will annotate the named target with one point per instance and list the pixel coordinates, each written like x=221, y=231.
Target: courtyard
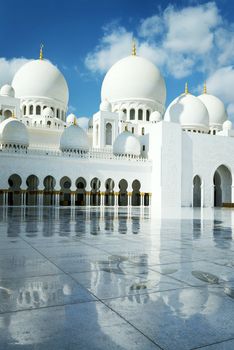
x=73, y=278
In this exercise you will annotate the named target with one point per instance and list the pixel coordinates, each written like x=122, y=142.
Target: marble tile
x=83, y=326
x=113, y=281
x=37, y=292
x=180, y=319
x=197, y=273
x=226, y=345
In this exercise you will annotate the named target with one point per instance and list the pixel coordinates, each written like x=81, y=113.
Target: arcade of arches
x=17, y=196
x=222, y=188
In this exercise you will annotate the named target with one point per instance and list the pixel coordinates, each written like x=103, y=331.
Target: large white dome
x=13, y=132
x=127, y=143
x=133, y=78
x=40, y=78
x=74, y=138
x=216, y=110
x=189, y=111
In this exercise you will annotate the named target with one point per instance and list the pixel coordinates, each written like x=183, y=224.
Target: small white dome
x=13, y=132
x=105, y=106
x=227, y=125
x=122, y=116
x=134, y=78
x=189, y=111
x=216, y=110
x=74, y=138
x=47, y=113
x=127, y=143
x=71, y=119
x=7, y=90
x=40, y=78
x=155, y=117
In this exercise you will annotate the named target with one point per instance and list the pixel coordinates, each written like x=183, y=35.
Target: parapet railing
x=92, y=153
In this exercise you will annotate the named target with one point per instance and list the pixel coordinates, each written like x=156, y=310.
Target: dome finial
x=186, y=91
x=204, y=88
x=41, y=52
x=133, y=47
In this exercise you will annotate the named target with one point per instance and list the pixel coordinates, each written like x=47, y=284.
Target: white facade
x=135, y=151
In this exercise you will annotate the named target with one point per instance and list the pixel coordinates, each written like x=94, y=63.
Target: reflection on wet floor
x=115, y=279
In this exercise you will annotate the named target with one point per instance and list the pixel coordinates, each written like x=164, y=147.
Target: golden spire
x=133, y=47
x=41, y=52
x=186, y=91
x=204, y=88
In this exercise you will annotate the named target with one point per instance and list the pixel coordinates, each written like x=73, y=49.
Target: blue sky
x=188, y=40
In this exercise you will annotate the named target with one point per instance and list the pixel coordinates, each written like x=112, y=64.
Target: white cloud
x=8, y=68
x=190, y=30
x=180, y=41
x=151, y=26
x=113, y=46
x=221, y=84
x=83, y=122
x=71, y=109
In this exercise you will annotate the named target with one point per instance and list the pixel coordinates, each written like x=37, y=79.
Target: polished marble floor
x=75, y=279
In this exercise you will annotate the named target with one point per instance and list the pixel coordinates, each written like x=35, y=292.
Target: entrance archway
x=136, y=197
x=80, y=191
x=196, y=191
x=32, y=190
x=95, y=198
x=123, y=195
x=65, y=192
x=14, y=194
x=48, y=193
x=109, y=193
x=222, y=186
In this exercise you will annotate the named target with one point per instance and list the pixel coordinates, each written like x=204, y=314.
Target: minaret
x=133, y=47
x=205, y=88
x=41, y=52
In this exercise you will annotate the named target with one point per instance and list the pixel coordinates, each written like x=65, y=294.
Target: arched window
x=147, y=115
x=140, y=114
x=7, y=113
x=108, y=134
x=132, y=130
x=24, y=110
x=143, y=131
x=132, y=114
x=31, y=109
x=49, y=123
x=57, y=113
x=38, y=110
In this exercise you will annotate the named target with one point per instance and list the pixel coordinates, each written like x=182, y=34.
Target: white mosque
x=134, y=153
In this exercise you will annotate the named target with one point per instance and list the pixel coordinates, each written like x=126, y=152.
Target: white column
x=150, y=197
x=23, y=198
x=232, y=199
x=102, y=194
x=5, y=198
x=57, y=195
x=87, y=199
x=116, y=199
x=40, y=199
x=73, y=199
x=129, y=199
x=142, y=199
